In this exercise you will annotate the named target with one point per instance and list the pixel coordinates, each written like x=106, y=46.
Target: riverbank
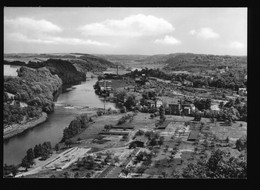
x=19, y=128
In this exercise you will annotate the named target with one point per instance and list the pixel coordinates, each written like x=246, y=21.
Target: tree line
x=41, y=150
x=230, y=80
x=76, y=126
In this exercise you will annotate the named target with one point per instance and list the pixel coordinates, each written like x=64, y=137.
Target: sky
x=143, y=31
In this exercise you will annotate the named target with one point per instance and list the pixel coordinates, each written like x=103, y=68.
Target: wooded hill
x=82, y=62
x=197, y=62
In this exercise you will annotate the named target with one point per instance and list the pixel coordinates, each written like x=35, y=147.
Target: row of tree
x=40, y=150
x=15, y=113
x=75, y=126
x=230, y=80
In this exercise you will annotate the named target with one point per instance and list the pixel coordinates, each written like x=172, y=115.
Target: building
x=139, y=141
x=186, y=110
x=138, y=80
x=175, y=109
x=194, y=134
x=215, y=107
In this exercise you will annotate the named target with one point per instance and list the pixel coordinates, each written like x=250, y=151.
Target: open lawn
x=233, y=132
x=98, y=125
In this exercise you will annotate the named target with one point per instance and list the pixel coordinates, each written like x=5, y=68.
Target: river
x=67, y=106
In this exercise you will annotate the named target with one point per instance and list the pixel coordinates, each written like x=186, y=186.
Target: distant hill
x=82, y=62
x=122, y=58
x=65, y=70
x=195, y=62
x=170, y=62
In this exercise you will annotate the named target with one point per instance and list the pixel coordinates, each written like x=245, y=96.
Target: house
x=214, y=107
x=138, y=80
x=175, y=109
x=193, y=135
x=105, y=84
x=139, y=141
x=186, y=110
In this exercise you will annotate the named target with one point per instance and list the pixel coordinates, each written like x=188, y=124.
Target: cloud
x=205, y=33
x=168, y=40
x=54, y=40
x=131, y=26
x=23, y=38
x=29, y=25
x=29, y=30
x=193, y=32
x=236, y=45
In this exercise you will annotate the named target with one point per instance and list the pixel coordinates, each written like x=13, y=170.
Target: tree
x=219, y=165
x=68, y=142
x=164, y=174
x=120, y=96
x=161, y=139
x=10, y=169
x=37, y=151
x=57, y=147
x=116, y=159
x=126, y=171
x=162, y=113
x=221, y=105
x=30, y=156
x=123, y=110
x=66, y=175
x=108, y=127
x=197, y=116
x=241, y=143
x=25, y=163
x=76, y=175
x=130, y=102
x=141, y=170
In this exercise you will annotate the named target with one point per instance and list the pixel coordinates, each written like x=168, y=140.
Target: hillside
x=88, y=62
x=82, y=62
x=65, y=70
x=34, y=86
x=196, y=62
x=122, y=58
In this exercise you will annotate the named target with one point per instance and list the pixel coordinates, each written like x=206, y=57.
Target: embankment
x=15, y=129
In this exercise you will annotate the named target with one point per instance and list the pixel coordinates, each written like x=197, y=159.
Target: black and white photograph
x=125, y=92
